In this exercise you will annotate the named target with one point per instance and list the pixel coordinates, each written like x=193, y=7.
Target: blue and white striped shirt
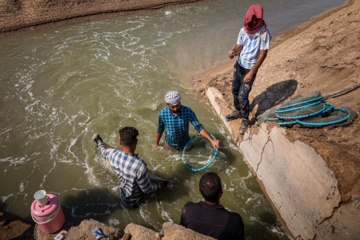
x=252, y=44
x=177, y=126
x=133, y=175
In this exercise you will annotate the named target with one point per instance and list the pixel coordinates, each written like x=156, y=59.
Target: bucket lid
x=46, y=210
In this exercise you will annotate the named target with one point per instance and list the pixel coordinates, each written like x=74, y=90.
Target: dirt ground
x=321, y=54
x=19, y=16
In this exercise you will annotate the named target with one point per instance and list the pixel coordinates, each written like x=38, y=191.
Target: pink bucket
x=50, y=217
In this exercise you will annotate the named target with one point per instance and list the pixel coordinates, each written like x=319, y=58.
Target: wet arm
x=205, y=134
x=158, y=137
x=159, y=131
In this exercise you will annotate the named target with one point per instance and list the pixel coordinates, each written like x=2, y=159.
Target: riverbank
x=320, y=54
x=311, y=175
x=18, y=17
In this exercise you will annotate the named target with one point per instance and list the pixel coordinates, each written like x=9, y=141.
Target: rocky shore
x=18, y=230
x=321, y=54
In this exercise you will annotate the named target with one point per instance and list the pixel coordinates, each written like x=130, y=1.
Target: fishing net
x=198, y=154
x=309, y=110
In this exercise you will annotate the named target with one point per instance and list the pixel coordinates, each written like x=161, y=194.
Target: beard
x=175, y=111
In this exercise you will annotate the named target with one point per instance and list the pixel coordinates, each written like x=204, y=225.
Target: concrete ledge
x=302, y=188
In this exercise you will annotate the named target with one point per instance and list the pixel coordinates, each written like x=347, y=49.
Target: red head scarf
x=256, y=10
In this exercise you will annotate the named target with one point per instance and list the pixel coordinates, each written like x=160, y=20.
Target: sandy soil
x=19, y=16
x=321, y=54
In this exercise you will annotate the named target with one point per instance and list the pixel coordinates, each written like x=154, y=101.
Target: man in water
x=131, y=170
x=251, y=48
x=209, y=217
x=175, y=118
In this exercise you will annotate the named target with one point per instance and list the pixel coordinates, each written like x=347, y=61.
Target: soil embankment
x=311, y=175
x=17, y=16
x=321, y=54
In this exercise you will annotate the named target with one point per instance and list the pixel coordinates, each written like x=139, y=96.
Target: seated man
x=131, y=170
x=209, y=217
x=175, y=118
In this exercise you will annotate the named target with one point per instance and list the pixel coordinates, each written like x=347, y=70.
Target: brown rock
x=174, y=231
x=14, y=229
x=138, y=232
x=83, y=231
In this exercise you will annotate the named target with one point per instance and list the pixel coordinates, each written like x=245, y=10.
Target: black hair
x=210, y=186
x=128, y=135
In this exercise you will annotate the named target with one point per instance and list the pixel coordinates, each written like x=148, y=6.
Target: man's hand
x=165, y=183
x=232, y=54
x=96, y=137
x=236, y=51
x=155, y=145
x=248, y=77
x=215, y=143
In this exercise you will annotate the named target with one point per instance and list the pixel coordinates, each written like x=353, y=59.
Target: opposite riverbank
x=22, y=16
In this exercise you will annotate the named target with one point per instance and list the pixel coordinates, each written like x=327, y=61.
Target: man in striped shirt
x=131, y=170
x=251, y=48
x=176, y=118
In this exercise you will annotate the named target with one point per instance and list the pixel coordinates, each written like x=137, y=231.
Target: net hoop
x=202, y=168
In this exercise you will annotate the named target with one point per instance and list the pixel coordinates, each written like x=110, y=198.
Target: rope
x=327, y=123
x=202, y=168
x=307, y=101
x=326, y=108
x=321, y=111
x=298, y=108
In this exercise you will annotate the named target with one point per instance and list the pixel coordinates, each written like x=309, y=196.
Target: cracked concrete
x=262, y=152
x=298, y=182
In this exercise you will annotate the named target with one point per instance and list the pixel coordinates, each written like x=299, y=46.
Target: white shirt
x=252, y=44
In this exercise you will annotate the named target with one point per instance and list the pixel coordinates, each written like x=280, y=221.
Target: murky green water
x=60, y=86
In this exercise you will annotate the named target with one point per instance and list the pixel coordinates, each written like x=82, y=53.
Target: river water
x=60, y=86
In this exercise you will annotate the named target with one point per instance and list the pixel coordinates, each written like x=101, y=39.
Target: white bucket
x=41, y=198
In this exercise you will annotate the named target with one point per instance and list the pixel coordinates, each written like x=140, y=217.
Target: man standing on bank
x=209, y=217
x=175, y=118
x=251, y=48
x=131, y=170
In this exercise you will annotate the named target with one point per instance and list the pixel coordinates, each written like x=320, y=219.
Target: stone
x=138, y=232
x=297, y=180
x=14, y=229
x=174, y=231
x=302, y=188
x=83, y=231
x=344, y=223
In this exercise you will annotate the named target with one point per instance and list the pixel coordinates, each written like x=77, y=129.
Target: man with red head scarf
x=251, y=48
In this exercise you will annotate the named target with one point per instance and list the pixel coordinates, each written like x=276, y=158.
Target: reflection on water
x=58, y=87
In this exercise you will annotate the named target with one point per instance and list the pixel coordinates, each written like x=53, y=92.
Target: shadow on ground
x=273, y=96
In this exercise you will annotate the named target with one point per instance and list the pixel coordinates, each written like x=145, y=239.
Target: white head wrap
x=172, y=98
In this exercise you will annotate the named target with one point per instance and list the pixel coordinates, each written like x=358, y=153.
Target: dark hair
x=128, y=135
x=210, y=186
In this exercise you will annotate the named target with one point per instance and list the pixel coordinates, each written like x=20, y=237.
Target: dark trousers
x=241, y=90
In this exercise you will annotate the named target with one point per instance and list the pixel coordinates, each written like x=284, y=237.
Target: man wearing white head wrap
x=175, y=118
x=172, y=98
